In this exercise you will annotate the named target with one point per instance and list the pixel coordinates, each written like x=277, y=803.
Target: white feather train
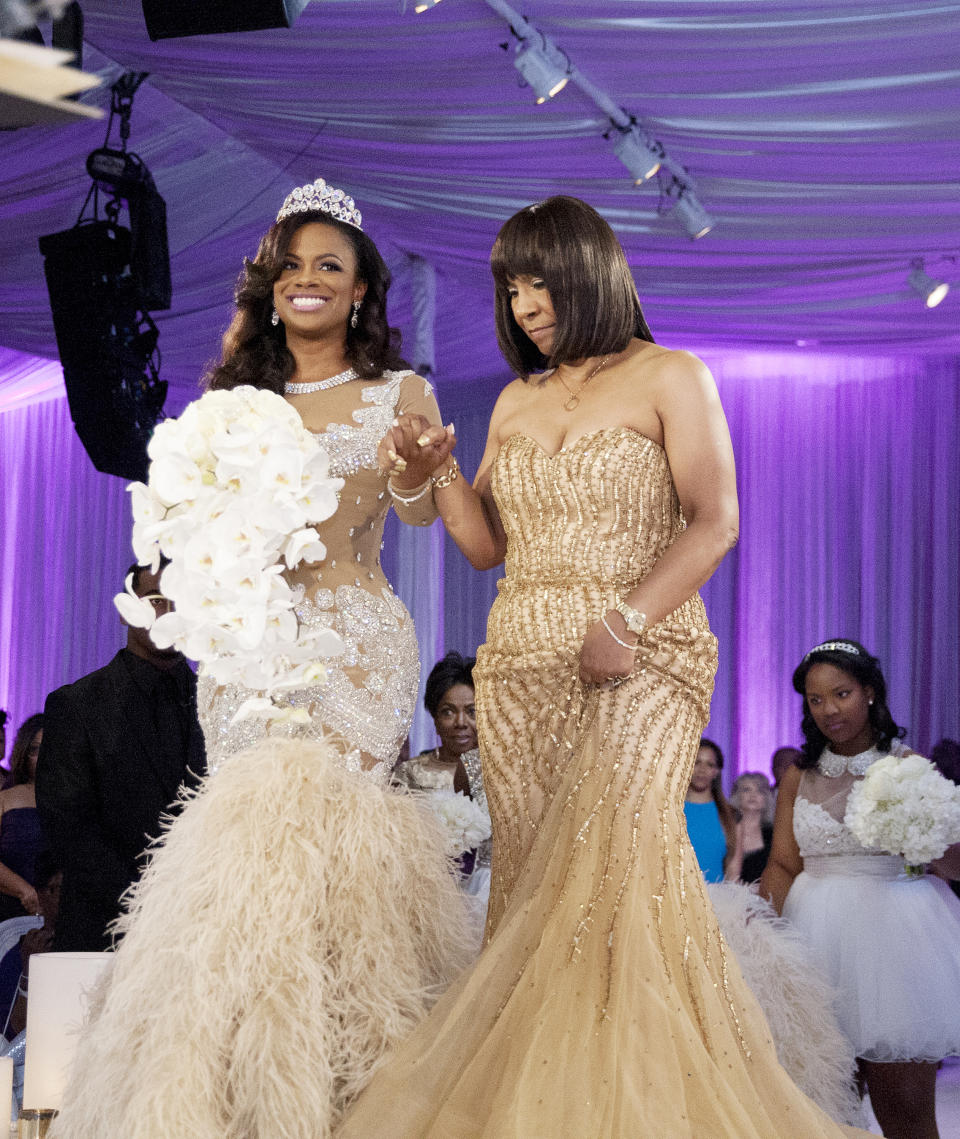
x=796, y=999
x=297, y=921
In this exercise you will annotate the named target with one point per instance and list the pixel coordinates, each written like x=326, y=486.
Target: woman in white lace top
x=888, y=943
x=301, y=915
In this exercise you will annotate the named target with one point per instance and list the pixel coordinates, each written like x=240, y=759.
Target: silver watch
x=635, y=621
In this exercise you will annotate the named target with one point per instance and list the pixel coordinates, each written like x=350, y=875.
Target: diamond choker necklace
x=835, y=765
x=320, y=385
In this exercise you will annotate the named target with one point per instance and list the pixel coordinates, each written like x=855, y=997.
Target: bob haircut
x=762, y=784
x=19, y=756
x=453, y=669
x=569, y=246
x=865, y=670
x=255, y=352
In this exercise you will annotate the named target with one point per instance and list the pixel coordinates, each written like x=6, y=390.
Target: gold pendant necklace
x=574, y=400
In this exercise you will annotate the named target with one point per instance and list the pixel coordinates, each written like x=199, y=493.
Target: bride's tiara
x=835, y=647
x=319, y=197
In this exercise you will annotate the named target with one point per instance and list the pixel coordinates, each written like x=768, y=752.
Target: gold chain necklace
x=574, y=399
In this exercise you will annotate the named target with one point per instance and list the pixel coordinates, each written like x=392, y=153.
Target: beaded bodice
x=821, y=803
x=353, y=535
x=367, y=700
x=577, y=515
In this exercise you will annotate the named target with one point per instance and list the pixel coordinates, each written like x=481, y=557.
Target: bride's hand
x=413, y=449
x=602, y=660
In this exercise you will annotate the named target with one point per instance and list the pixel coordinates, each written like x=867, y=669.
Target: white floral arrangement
x=234, y=487
x=467, y=823
x=903, y=805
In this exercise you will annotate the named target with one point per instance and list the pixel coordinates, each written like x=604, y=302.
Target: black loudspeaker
x=171, y=19
x=106, y=342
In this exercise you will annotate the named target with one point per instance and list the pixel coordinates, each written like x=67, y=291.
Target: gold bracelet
x=449, y=476
x=409, y=500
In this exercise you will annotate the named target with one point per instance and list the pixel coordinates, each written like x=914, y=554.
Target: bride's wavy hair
x=255, y=352
x=865, y=670
x=569, y=246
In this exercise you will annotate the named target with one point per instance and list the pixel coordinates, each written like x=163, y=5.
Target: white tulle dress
x=888, y=943
x=300, y=915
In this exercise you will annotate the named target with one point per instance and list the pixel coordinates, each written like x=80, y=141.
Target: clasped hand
x=602, y=660
x=413, y=449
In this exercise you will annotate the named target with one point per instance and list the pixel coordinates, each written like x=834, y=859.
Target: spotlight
x=695, y=218
x=931, y=292
x=425, y=5
x=641, y=156
x=544, y=68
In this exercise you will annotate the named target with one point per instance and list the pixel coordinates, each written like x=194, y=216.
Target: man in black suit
x=117, y=745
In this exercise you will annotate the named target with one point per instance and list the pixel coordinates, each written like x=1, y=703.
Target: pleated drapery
x=849, y=477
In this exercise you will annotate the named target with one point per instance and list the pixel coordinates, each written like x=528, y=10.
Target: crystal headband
x=834, y=647
x=319, y=197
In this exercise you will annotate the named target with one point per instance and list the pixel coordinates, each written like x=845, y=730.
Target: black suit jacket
x=104, y=778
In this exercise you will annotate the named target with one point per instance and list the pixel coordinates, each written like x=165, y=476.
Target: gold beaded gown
x=605, y=1004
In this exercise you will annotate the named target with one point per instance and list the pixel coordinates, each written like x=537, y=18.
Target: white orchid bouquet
x=467, y=823
x=903, y=805
x=234, y=488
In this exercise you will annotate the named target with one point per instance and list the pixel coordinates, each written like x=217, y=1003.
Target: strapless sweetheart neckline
x=589, y=436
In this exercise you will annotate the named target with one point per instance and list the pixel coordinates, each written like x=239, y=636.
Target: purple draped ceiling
x=823, y=138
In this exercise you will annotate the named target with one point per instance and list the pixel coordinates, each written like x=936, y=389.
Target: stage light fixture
x=930, y=291
x=543, y=66
x=425, y=5
x=173, y=19
x=641, y=156
x=695, y=218
x=103, y=278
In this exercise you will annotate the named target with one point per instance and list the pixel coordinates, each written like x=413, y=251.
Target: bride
x=300, y=916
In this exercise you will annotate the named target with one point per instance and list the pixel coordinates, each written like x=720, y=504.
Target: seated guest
x=21, y=843
x=752, y=798
x=117, y=746
x=21, y=838
x=782, y=760
x=449, y=700
x=49, y=878
x=711, y=823
x=455, y=764
x=945, y=757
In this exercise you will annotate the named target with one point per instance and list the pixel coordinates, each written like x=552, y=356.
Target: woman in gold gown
x=605, y=1003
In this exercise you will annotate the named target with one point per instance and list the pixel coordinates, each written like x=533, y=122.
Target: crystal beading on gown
x=299, y=916
x=605, y=1003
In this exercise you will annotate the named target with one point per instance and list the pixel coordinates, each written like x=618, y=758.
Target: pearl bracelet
x=449, y=476
x=619, y=640
x=409, y=500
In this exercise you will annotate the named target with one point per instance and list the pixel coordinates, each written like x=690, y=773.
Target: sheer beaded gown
x=300, y=915
x=605, y=1003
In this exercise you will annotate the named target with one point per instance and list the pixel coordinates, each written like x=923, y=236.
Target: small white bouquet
x=466, y=822
x=234, y=487
x=905, y=806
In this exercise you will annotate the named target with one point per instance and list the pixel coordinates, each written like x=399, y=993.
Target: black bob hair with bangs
x=567, y=244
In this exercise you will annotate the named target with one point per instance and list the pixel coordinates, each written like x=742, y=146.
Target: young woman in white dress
x=888, y=943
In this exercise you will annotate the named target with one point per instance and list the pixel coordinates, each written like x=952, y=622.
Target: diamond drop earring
x=355, y=316
x=275, y=319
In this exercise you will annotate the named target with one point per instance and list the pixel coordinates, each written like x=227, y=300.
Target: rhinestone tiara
x=318, y=196
x=834, y=647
